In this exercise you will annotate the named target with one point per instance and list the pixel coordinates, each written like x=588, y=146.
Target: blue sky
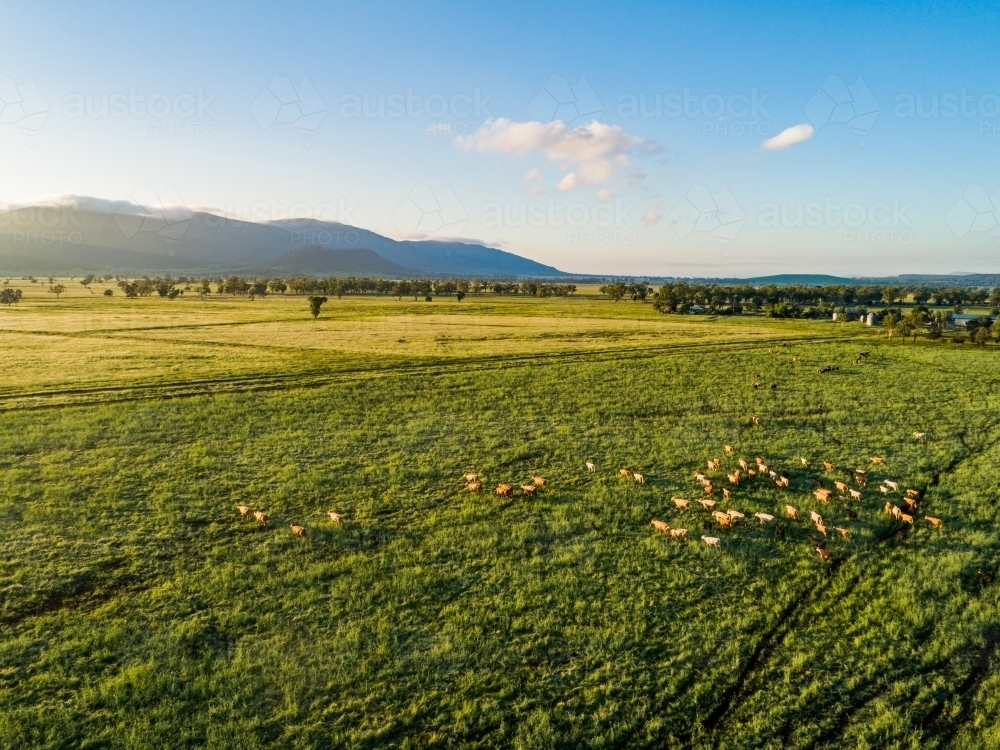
x=557, y=164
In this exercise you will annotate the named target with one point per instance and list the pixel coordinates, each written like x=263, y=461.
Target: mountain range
x=82, y=235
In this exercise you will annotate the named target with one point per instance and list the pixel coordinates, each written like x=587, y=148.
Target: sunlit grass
x=140, y=610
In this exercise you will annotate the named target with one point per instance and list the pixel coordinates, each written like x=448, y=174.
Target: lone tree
x=57, y=290
x=315, y=303
x=9, y=296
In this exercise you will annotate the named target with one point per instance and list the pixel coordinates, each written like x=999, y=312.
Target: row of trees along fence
x=167, y=286
x=794, y=300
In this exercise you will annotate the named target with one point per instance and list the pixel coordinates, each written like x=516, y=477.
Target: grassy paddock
x=139, y=610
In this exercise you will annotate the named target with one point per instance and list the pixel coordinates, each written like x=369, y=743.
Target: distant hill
x=73, y=234
x=426, y=256
x=807, y=279
x=18, y=257
x=951, y=279
x=314, y=260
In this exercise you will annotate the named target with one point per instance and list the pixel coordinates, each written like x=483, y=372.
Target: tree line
x=168, y=286
x=792, y=300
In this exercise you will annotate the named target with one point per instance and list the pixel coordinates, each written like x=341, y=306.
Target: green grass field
x=139, y=610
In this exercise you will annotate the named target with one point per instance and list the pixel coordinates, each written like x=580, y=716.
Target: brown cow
x=474, y=487
x=681, y=503
x=335, y=517
x=735, y=515
x=725, y=493
x=505, y=490
x=298, y=530
x=756, y=420
x=470, y=477
x=937, y=523
x=913, y=493
x=260, y=515
x=729, y=449
x=840, y=486
x=805, y=461
x=528, y=489
x=678, y=533
x=792, y=512
x=828, y=466
x=826, y=555
x=823, y=495
x=659, y=525
x=912, y=502
x=905, y=518
x=625, y=472
x=709, y=504
x=744, y=465
x=919, y=435
x=734, y=478
x=709, y=489
x=713, y=464
x=538, y=481
x=843, y=532
x=877, y=460
x=815, y=517
x=244, y=510
x=723, y=519
x=821, y=529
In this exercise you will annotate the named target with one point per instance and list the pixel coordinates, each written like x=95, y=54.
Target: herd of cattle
x=262, y=518
x=845, y=493
x=737, y=477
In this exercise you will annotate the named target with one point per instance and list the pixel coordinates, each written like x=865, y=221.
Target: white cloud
x=567, y=183
x=604, y=194
x=591, y=151
x=789, y=137
x=536, y=190
x=531, y=176
x=652, y=215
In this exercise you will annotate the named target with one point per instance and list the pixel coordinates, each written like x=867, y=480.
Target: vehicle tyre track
x=31, y=400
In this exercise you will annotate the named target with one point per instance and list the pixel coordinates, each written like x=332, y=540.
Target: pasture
x=140, y=610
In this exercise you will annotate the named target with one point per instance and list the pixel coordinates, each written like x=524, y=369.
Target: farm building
x=962, y=321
